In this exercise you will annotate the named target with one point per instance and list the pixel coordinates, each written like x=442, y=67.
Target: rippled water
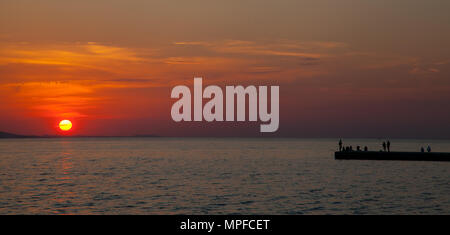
x=215, y=176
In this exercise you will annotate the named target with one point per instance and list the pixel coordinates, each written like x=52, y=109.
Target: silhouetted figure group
x=386, y=147
x=423, y=150
x=343, y=148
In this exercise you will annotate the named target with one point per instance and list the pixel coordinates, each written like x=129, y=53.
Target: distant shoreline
x=6, y=135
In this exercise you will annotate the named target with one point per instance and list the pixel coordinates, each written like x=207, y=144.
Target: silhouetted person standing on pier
x=422, y=150
x=428, y=148
x=388, y=146
x=384, y=146
x=340, y=145
x=365, y=149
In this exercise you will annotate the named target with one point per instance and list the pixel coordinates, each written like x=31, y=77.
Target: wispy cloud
x=273, y=48
x=86, y=55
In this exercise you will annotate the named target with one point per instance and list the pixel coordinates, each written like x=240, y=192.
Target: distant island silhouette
x=4, y=135
x=11, y=135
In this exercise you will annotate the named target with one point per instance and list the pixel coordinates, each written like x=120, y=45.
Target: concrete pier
x=393, y=156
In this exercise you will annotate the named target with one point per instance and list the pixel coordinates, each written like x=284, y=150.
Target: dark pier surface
x=394, y=156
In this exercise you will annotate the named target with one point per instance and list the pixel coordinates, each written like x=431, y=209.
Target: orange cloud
x=81, y=55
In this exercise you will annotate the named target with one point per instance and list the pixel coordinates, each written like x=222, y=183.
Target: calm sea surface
x=215, y=176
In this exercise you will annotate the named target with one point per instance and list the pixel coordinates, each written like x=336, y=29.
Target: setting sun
x=65, y=125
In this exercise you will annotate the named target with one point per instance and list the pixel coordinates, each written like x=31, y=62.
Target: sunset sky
x=345, y=68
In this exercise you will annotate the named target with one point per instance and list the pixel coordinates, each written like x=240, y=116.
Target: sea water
x=215, y=176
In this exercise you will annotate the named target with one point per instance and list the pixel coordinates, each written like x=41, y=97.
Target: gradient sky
x=345, y=68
